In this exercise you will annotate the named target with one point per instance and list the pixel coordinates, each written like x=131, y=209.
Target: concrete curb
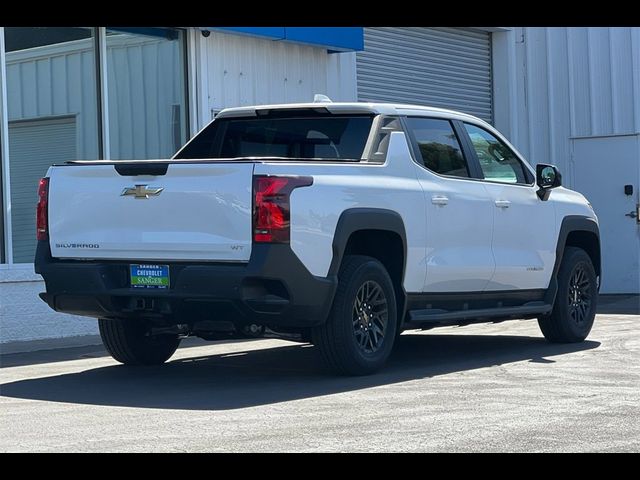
x=49, y=344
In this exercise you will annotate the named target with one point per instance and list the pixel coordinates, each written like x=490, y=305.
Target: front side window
x=326, y=137
x=497, y=161
x=439, y=147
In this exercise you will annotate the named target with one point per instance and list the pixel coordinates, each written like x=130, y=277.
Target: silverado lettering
x=77, y=245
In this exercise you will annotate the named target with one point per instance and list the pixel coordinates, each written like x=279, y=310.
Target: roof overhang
x=334, y=39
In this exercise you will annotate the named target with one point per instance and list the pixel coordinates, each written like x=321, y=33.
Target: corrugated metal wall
x=574, y=82
x=242, y=70
x=440, y=67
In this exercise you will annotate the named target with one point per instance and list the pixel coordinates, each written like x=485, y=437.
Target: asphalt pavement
x=488, y=387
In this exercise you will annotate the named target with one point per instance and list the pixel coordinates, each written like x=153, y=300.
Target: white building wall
x=569, y=82
x=241, y=70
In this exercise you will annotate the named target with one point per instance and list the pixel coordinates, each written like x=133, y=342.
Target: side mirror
x=547, y=177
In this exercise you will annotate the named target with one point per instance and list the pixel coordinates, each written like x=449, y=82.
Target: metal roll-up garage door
x=439, y=67
x=34, y=145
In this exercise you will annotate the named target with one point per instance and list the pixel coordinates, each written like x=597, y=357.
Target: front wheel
x=574, y=310
x=358, y=336
x=129, y=342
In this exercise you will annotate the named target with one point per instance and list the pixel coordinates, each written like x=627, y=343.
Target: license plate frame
x=149, y=276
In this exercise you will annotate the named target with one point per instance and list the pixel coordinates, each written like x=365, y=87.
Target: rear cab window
x=296, y=135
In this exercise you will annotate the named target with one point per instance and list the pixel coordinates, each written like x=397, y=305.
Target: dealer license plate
x=150, y=276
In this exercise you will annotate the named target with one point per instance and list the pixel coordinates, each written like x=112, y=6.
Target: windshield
x=326, y=137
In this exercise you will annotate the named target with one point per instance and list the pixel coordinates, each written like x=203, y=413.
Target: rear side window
x=438, y=145
x=326, y=137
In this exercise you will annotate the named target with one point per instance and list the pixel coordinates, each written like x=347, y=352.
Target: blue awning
x=340, y=39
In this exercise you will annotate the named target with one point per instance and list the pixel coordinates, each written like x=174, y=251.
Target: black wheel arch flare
x=354, y=220
x=571, y=224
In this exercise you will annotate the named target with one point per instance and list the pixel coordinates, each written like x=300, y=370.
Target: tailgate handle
x=141, y=168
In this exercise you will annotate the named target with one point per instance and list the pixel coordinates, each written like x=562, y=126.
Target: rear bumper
x=273, y=288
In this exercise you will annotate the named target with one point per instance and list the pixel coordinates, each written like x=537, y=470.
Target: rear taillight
x=271, y=207
x=42, y=224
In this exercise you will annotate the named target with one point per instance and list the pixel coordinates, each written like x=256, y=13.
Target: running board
x=448, y=317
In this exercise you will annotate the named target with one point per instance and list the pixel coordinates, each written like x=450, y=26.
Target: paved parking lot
x=477, y=388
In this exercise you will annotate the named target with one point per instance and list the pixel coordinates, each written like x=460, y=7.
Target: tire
x=575, y=306
x=128, y=343
x=352, y=343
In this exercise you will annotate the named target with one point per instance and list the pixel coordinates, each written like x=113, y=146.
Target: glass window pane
x=439, y=146
x=53, y=114
x=2, y=211
x=332, y=137
x=146, y=91
x=497, y=161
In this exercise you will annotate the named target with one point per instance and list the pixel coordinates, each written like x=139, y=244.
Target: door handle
x=502, y=203
x=634, y=214
x=439, y=200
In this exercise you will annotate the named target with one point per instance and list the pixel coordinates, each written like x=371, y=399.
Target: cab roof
x=349, y=107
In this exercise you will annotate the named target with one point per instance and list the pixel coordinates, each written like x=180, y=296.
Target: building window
x=2, y=215
x=146, y=91
x=52, y=108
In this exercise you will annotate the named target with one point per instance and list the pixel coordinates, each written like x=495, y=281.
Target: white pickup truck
x=342, y=224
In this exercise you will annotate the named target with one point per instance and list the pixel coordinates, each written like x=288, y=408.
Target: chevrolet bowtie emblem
x=141, y=191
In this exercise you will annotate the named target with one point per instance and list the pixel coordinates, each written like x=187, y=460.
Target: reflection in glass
x=2, y=211
x=146, y=91
x=334, y=137
x=439, y=146
x=498, y=163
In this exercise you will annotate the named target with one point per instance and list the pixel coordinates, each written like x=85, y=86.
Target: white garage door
x=440, y=67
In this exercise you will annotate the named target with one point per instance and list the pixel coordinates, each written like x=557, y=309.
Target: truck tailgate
x=196, y=211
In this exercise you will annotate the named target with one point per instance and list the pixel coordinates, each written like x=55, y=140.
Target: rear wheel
x=129, y=342
x=358, y=336
x=575, y=307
